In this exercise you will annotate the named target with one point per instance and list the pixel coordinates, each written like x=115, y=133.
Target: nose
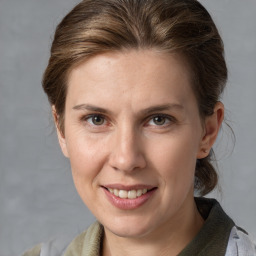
x=127, y=151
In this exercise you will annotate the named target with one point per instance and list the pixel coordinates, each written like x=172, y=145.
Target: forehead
x=135, y=76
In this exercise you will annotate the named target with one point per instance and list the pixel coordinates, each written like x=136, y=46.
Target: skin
x=149, y=132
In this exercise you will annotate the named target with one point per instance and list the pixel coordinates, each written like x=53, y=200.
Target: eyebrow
x=91, y=108
x=159, y=108
x=149, y=110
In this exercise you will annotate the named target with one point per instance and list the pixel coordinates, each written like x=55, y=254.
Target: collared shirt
x=218, y=237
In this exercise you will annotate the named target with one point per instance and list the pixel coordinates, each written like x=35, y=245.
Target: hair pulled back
x=172, y=26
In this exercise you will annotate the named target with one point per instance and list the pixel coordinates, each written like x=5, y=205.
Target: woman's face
x=133, y=134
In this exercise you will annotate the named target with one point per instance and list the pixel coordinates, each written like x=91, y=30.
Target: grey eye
x=159, y=120
x=96, y=120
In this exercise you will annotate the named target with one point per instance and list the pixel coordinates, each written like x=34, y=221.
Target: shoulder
x=219, y=234
x=86, y=242
x=35, y=251
x=240, y=244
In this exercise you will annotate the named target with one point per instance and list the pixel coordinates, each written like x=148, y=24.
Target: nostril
x=127, y=160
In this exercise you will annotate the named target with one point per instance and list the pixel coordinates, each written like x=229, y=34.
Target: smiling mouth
x=129, y=197
x=128, y=194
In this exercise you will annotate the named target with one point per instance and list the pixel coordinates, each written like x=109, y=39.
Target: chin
x=129, y=227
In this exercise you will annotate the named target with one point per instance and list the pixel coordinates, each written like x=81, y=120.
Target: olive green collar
x=213, y=237
x=211, y=240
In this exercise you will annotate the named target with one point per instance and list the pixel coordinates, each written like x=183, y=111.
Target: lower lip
x=128, y=204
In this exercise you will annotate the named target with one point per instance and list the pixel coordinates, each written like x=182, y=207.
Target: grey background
x=37, y=198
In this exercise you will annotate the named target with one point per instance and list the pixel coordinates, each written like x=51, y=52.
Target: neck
x=169, y=239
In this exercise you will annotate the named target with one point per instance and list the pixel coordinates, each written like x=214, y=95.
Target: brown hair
x=173, y=26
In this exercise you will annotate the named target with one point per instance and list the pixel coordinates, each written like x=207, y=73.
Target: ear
x=61, y=136
x=212, y=126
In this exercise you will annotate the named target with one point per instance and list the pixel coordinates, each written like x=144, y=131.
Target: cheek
x=175, y=158
x=87, y=157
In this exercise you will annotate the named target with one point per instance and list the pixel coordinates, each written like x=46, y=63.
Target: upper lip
x=129, y=187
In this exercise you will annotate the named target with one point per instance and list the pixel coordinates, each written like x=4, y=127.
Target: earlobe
x=212, y=126
x=61, y=137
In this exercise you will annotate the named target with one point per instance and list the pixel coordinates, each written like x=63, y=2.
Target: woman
x=134, y=87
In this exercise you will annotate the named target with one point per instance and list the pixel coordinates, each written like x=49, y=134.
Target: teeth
x=123, y=193
x=144, y=191
x=131, y=194
x=116, y=192
x=139, y=192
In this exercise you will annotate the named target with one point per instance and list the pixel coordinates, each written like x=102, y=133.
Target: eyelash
x=86, y=118
x=167, y=118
